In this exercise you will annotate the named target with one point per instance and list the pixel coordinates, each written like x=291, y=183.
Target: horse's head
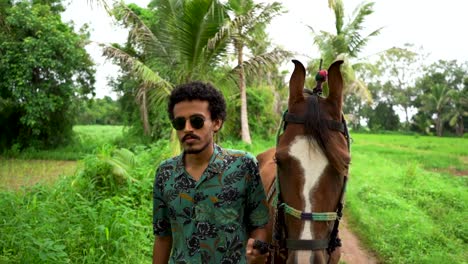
x=312, y=155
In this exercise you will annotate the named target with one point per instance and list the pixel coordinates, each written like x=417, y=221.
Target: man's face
x=194, y=140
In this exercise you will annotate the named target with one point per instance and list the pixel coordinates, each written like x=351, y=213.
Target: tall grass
x=406, y=199
x=15, y=173
x=86, y=139
x=100, y=215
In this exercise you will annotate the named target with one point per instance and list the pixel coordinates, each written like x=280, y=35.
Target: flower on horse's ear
x=321, y=76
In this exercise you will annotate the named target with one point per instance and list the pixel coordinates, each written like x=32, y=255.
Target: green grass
x=407, y=200
x=86, y=140
x=16, y=173
x=429, y=152
x=101, y=214
x=407, y=197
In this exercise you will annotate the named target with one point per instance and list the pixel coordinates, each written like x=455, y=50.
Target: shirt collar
x=215, y=165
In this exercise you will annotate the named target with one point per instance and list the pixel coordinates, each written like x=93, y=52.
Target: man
x=208, y=201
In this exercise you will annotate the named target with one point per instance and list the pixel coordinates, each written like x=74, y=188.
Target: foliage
x=100, y=215
x=98, y=111
x=400, y=67
x=158, y=121
x=167, y=47
x=403, y=186
x=15, y=173
x=246, y=30
x=264, y=120
x=44, y=68
x=346, y=44
x=442, y=95
x=383, y=117
x=85, y=140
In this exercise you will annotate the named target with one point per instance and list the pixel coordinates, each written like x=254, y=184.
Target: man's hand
x=253, y=255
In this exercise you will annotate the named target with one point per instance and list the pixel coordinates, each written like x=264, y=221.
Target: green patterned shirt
x=209, y=220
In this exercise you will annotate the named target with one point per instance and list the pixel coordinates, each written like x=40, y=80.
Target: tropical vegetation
x=406, y=200
x=76, y=171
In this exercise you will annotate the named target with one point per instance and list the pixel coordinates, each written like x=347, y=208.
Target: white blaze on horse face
x=313, y=162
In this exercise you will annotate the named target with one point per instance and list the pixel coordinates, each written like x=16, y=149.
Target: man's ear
x=217, y=124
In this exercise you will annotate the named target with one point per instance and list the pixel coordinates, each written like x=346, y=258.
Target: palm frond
x=267, y=13
x=259, y=14
x=360, y=14
x=156, y=97
x=224, y=33
x=101, y=3
x=122, y=163
x=200, y=21
x=338, y=9
x=139, y=33
x=357, y=42
x=259, y=64
x=136, y=67
x=359, y=88
x=331, y=4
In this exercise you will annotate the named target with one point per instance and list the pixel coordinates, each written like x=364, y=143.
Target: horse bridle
x=280, y=232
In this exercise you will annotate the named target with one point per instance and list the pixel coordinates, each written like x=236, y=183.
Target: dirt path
x=352, y=251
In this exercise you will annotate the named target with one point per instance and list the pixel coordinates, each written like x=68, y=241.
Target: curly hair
x=199, y=91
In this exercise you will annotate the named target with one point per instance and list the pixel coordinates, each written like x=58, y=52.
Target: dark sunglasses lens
x=197, y=122
x=178, y=123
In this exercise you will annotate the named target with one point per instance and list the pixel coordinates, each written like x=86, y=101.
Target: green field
x=86, y=139
x=16, y=173
x=406, y=199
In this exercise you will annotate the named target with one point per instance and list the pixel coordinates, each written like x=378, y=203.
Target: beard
x=190, y=150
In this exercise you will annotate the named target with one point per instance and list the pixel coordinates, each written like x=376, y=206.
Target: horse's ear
x=296, y=83
x=335, y=84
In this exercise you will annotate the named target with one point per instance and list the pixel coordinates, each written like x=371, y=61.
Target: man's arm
x=259, y=234
x=162, y=249
x=253, y=255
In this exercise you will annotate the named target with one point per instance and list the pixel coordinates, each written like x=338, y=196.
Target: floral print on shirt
x=209, y=219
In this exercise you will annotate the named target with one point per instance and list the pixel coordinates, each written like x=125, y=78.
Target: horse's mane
x=317, y=128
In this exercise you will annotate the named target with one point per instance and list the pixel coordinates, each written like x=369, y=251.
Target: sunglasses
x=196, y=122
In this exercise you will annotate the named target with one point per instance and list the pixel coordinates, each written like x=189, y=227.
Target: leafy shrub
x=100, y=215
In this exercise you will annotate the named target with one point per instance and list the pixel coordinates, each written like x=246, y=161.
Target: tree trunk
x=406, y=118
x=439, y=125
x=245, y=131
x=144, y=112
x=460, y=128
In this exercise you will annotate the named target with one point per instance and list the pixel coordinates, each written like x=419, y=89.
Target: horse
x=307, y=172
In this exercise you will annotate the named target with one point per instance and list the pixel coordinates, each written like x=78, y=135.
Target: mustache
x=190, y=136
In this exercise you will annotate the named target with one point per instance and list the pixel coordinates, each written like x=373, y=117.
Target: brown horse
x=311, y=163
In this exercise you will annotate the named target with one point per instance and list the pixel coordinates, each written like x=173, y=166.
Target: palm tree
x=188, y=43
x=346, y=43
x=176, y=47
x=459, y=111
x=249, y=20
x=436, y=102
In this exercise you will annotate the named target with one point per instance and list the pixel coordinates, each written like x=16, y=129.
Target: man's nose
x=188, y=125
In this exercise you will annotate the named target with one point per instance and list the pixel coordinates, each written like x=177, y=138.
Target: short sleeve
x=257, y=211
x=161, y=223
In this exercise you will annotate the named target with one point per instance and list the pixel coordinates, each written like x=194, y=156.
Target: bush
x=100, y=215
x=263, y=118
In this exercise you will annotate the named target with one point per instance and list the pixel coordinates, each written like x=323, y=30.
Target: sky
x=437, y=27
